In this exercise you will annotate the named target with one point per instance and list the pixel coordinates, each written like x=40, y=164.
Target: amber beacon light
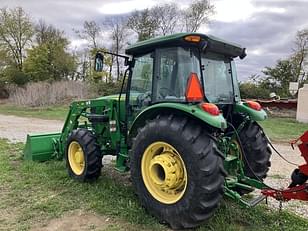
x=192, y=38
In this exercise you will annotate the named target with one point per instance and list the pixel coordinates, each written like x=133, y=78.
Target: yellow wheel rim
x=164, y=172
x=76, y=158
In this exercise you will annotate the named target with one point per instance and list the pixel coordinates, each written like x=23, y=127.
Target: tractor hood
x=206, y=43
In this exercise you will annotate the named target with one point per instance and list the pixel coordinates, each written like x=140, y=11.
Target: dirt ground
x=84, y=221
x=15, y=129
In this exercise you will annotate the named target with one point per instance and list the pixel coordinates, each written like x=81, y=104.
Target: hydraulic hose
x=248, y=165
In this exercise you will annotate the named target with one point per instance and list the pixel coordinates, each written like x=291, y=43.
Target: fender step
x=256, y=200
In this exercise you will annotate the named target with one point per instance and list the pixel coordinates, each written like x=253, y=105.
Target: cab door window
x=141, y=82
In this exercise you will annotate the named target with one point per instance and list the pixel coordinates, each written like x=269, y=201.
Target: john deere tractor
x=178, y=126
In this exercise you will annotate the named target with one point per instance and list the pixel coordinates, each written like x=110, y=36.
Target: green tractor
x=178, y=126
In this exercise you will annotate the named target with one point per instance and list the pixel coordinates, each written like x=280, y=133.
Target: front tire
x=83, y=156
x=177, y=171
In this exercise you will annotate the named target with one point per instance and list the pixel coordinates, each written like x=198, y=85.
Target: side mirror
x=244, y=54
x=99, y=62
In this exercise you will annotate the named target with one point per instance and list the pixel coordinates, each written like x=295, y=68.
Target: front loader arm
x=101, y=117
x=71, y=123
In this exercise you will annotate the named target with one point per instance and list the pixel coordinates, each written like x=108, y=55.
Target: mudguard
x=193, y=111
x=255, y=115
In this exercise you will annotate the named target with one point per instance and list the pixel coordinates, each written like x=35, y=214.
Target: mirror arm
x=122, y=56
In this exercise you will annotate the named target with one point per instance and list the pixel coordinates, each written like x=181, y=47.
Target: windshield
x=217, y=78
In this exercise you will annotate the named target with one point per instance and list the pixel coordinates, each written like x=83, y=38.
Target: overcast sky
x=266, y=28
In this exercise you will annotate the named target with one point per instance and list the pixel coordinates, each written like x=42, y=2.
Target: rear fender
x=255, y=115
x=193, y=111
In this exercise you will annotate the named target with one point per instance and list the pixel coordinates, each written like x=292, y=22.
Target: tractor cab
x=186, y=68
x=163, y=67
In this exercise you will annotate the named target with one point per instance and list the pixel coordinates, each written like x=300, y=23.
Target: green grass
x=283, y=129
x=52, y=112
x=33, y=193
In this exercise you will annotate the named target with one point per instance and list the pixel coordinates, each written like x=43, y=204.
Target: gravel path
x=15, y=129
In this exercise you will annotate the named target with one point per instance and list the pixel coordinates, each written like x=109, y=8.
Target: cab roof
x=207, y=42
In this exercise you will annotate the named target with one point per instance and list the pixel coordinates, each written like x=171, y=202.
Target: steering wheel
x=143, y=99
x=163, y=92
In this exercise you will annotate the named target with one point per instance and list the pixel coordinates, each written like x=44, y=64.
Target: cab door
x=140, y=91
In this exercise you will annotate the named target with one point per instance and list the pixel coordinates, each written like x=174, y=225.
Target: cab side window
x=173, y=68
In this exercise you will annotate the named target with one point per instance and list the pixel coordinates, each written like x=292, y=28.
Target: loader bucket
x=41, y=147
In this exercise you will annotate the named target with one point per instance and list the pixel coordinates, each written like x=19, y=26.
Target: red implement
x=298, y=189
x=303, y=147
x=298, y=193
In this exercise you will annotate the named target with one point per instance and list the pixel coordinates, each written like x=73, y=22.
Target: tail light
x=194, y=92
x=210, y=108
x=254, y=105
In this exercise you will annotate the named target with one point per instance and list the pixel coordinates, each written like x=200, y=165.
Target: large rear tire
x=177, y=171
x=83, y=156
x=257, y=151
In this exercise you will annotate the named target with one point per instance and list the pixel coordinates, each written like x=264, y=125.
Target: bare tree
x=196, y=14
x=90, y=32
x=143, y=23
x=300, y=55
x=48, y=33
x=119, y=34
x=5, y=59
x=16, y=31
x=84, y=64
x=167, y=17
